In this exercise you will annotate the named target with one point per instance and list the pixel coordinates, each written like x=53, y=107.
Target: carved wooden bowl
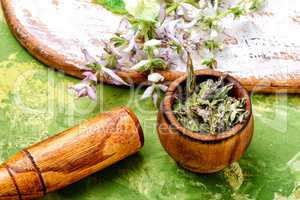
x=202, y=152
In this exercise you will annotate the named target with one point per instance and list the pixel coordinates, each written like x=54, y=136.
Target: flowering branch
x=154, y=36
x=87, y=87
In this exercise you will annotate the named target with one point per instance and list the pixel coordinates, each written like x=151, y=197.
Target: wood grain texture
x=71, y=155
x=8, y=189
x=200, y=152
x=83, y=24
x=26, y=175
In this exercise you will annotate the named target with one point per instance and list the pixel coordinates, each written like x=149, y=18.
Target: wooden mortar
x=71, y=155
x=200, y=152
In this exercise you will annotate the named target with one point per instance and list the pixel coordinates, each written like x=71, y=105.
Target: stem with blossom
x=150, y=39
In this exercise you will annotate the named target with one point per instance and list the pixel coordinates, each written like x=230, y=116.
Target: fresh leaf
x=148, y=65
x=172, y=5
x=147, y=10
x=140, y=65
x=158, y=63
x=210, y=63
x=92, y=66
x=145, y=29
x=118, y=41
x=179, y=49
x=257, y=5
x=212, y=45
x=237, y=12
x=111, y=61
x=115, y=6
x=210, y=22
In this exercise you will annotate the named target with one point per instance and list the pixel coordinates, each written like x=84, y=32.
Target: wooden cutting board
x=262, y=49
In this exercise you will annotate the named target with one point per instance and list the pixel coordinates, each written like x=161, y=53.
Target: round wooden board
x=56, y=31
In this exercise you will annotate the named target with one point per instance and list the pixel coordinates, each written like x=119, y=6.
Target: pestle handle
x=71, y=155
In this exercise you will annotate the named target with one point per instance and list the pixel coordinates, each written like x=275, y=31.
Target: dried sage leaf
x=210, y=108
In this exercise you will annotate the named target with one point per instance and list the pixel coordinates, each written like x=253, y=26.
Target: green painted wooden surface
x=35, y=103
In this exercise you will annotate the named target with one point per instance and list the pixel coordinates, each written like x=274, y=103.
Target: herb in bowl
x=210, y=108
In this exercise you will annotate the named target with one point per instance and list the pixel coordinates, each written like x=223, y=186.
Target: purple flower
x=153, y=90
x=85, y=89
x=131, y=46
x=162, y=13
x=89, y=59
x=90, y=76
x=125, y=60
x=188, y=11
x=189, y=25
x=115, y=78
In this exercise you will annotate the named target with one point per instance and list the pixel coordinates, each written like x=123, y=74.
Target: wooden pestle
x=71, y=155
